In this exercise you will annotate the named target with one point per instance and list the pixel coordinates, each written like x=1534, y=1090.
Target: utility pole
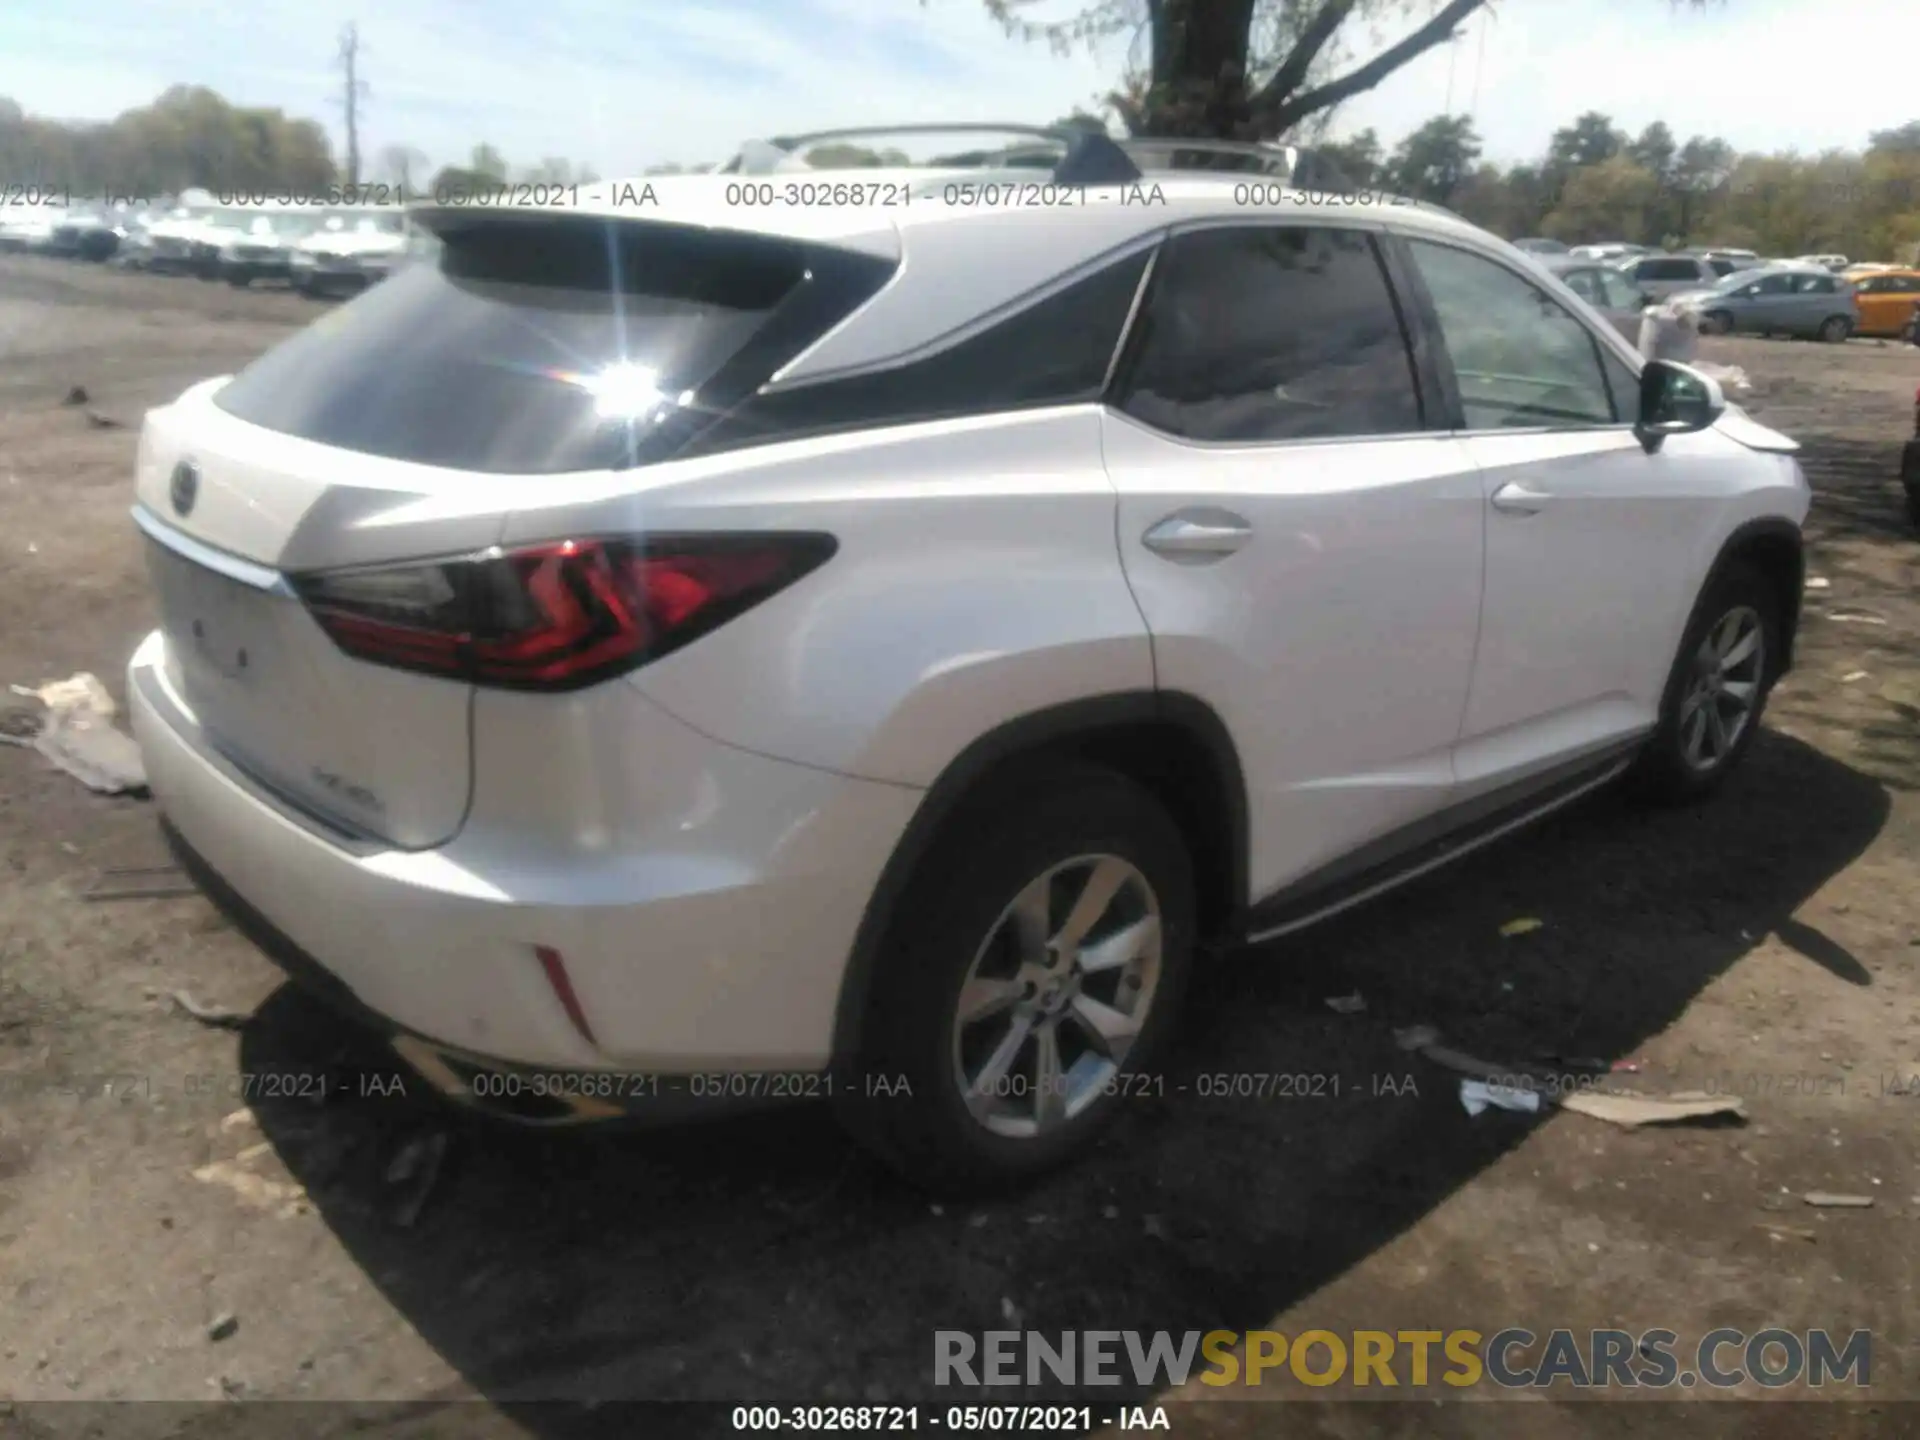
x=356, y=89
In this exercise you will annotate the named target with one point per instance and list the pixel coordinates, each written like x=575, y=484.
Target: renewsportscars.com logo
x=1512, y=1358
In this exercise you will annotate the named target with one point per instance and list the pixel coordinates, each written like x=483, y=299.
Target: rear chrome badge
x=184, y=488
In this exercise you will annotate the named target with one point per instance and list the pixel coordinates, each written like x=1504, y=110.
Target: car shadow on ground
x=764, y=1257
x=1856, y=483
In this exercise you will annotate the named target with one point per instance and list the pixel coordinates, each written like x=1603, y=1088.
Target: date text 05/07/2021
x=638, y=1088
x=949, y=1419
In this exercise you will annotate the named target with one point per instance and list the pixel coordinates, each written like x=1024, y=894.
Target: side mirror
x=1675, y=399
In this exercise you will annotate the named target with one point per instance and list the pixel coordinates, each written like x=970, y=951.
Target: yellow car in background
x=1886, y=299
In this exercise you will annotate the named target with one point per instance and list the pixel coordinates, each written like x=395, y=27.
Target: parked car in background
x=1885, y=300
x=224, y=227
x=574, y=657
x=1606, y=288
x=1798, y=300
x=1825, y=262
x=1664, y=275
x=263, y=248
x=1539, y=245
x=349, y=251
x=30, y=227
x=173, y=240
x=131, y=252
x=86, y=234
x=1607, y=250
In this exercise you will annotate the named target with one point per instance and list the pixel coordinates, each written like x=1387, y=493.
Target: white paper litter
x=78, y=735
x=1633, y=1111
x=1730, y=377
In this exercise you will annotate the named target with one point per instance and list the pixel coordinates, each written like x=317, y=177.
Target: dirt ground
x=1766, y=943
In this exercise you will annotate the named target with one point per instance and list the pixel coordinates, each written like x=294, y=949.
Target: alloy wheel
x=1056, y=995
x=1723, y=688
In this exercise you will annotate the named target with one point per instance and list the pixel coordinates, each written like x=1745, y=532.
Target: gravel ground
x=1765, y=943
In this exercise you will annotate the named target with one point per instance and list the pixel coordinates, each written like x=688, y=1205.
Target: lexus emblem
x=184, y=488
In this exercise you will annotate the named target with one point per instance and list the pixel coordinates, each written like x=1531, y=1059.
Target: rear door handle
x=1513, y=498
x=1192, y=536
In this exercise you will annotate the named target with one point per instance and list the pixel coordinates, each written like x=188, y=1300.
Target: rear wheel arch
x=1173, y=744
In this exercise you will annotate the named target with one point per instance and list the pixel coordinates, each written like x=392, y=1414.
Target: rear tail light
x=555, y=616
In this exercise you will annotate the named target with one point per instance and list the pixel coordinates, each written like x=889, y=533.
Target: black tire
x=906, y=1102
x=1716, y=322
x=239, y=279
x=1664, y=772
x=1835, y=329
x=1913, y=508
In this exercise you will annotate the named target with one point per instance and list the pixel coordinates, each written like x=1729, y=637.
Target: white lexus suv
x=865, y=634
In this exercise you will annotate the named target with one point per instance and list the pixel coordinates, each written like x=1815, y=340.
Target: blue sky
x=622, y=84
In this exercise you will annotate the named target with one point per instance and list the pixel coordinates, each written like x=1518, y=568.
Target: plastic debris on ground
x=217, y=1016
x=76, y=732
x=1347, y=1004
x=1477, y=1096
x=1525, y=925
x=414, y=1171
x=1519, y=1086
x=1828, y=1200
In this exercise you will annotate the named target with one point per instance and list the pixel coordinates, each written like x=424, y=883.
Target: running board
x=1322, y=900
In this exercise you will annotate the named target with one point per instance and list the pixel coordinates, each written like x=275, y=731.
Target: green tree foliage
x=188, y=137
x=1435, y=160
x=1593, y=184
x=1358, y=157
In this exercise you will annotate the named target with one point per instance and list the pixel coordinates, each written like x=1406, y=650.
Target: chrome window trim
x=221, y=562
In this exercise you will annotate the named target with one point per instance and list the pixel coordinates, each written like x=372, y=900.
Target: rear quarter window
x=1056, y=349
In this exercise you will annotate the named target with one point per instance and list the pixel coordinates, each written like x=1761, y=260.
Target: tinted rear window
x=1669, y=270
x=552, y=346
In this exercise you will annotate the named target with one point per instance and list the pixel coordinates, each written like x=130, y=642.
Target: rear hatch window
x=540, y=345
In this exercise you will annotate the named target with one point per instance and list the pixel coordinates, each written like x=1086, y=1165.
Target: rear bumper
x=709, y=938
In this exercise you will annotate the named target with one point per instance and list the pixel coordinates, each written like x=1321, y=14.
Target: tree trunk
x=1199, y=82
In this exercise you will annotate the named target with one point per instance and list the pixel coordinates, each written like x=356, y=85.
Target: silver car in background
x=1664, y=275
x=1605, y=287
x=1800, y=300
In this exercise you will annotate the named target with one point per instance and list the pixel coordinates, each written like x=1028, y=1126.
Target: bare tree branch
x=1285, y=111
x=1314, y=37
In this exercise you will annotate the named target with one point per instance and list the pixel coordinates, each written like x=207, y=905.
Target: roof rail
x=759, y=157
x=1076, y=156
